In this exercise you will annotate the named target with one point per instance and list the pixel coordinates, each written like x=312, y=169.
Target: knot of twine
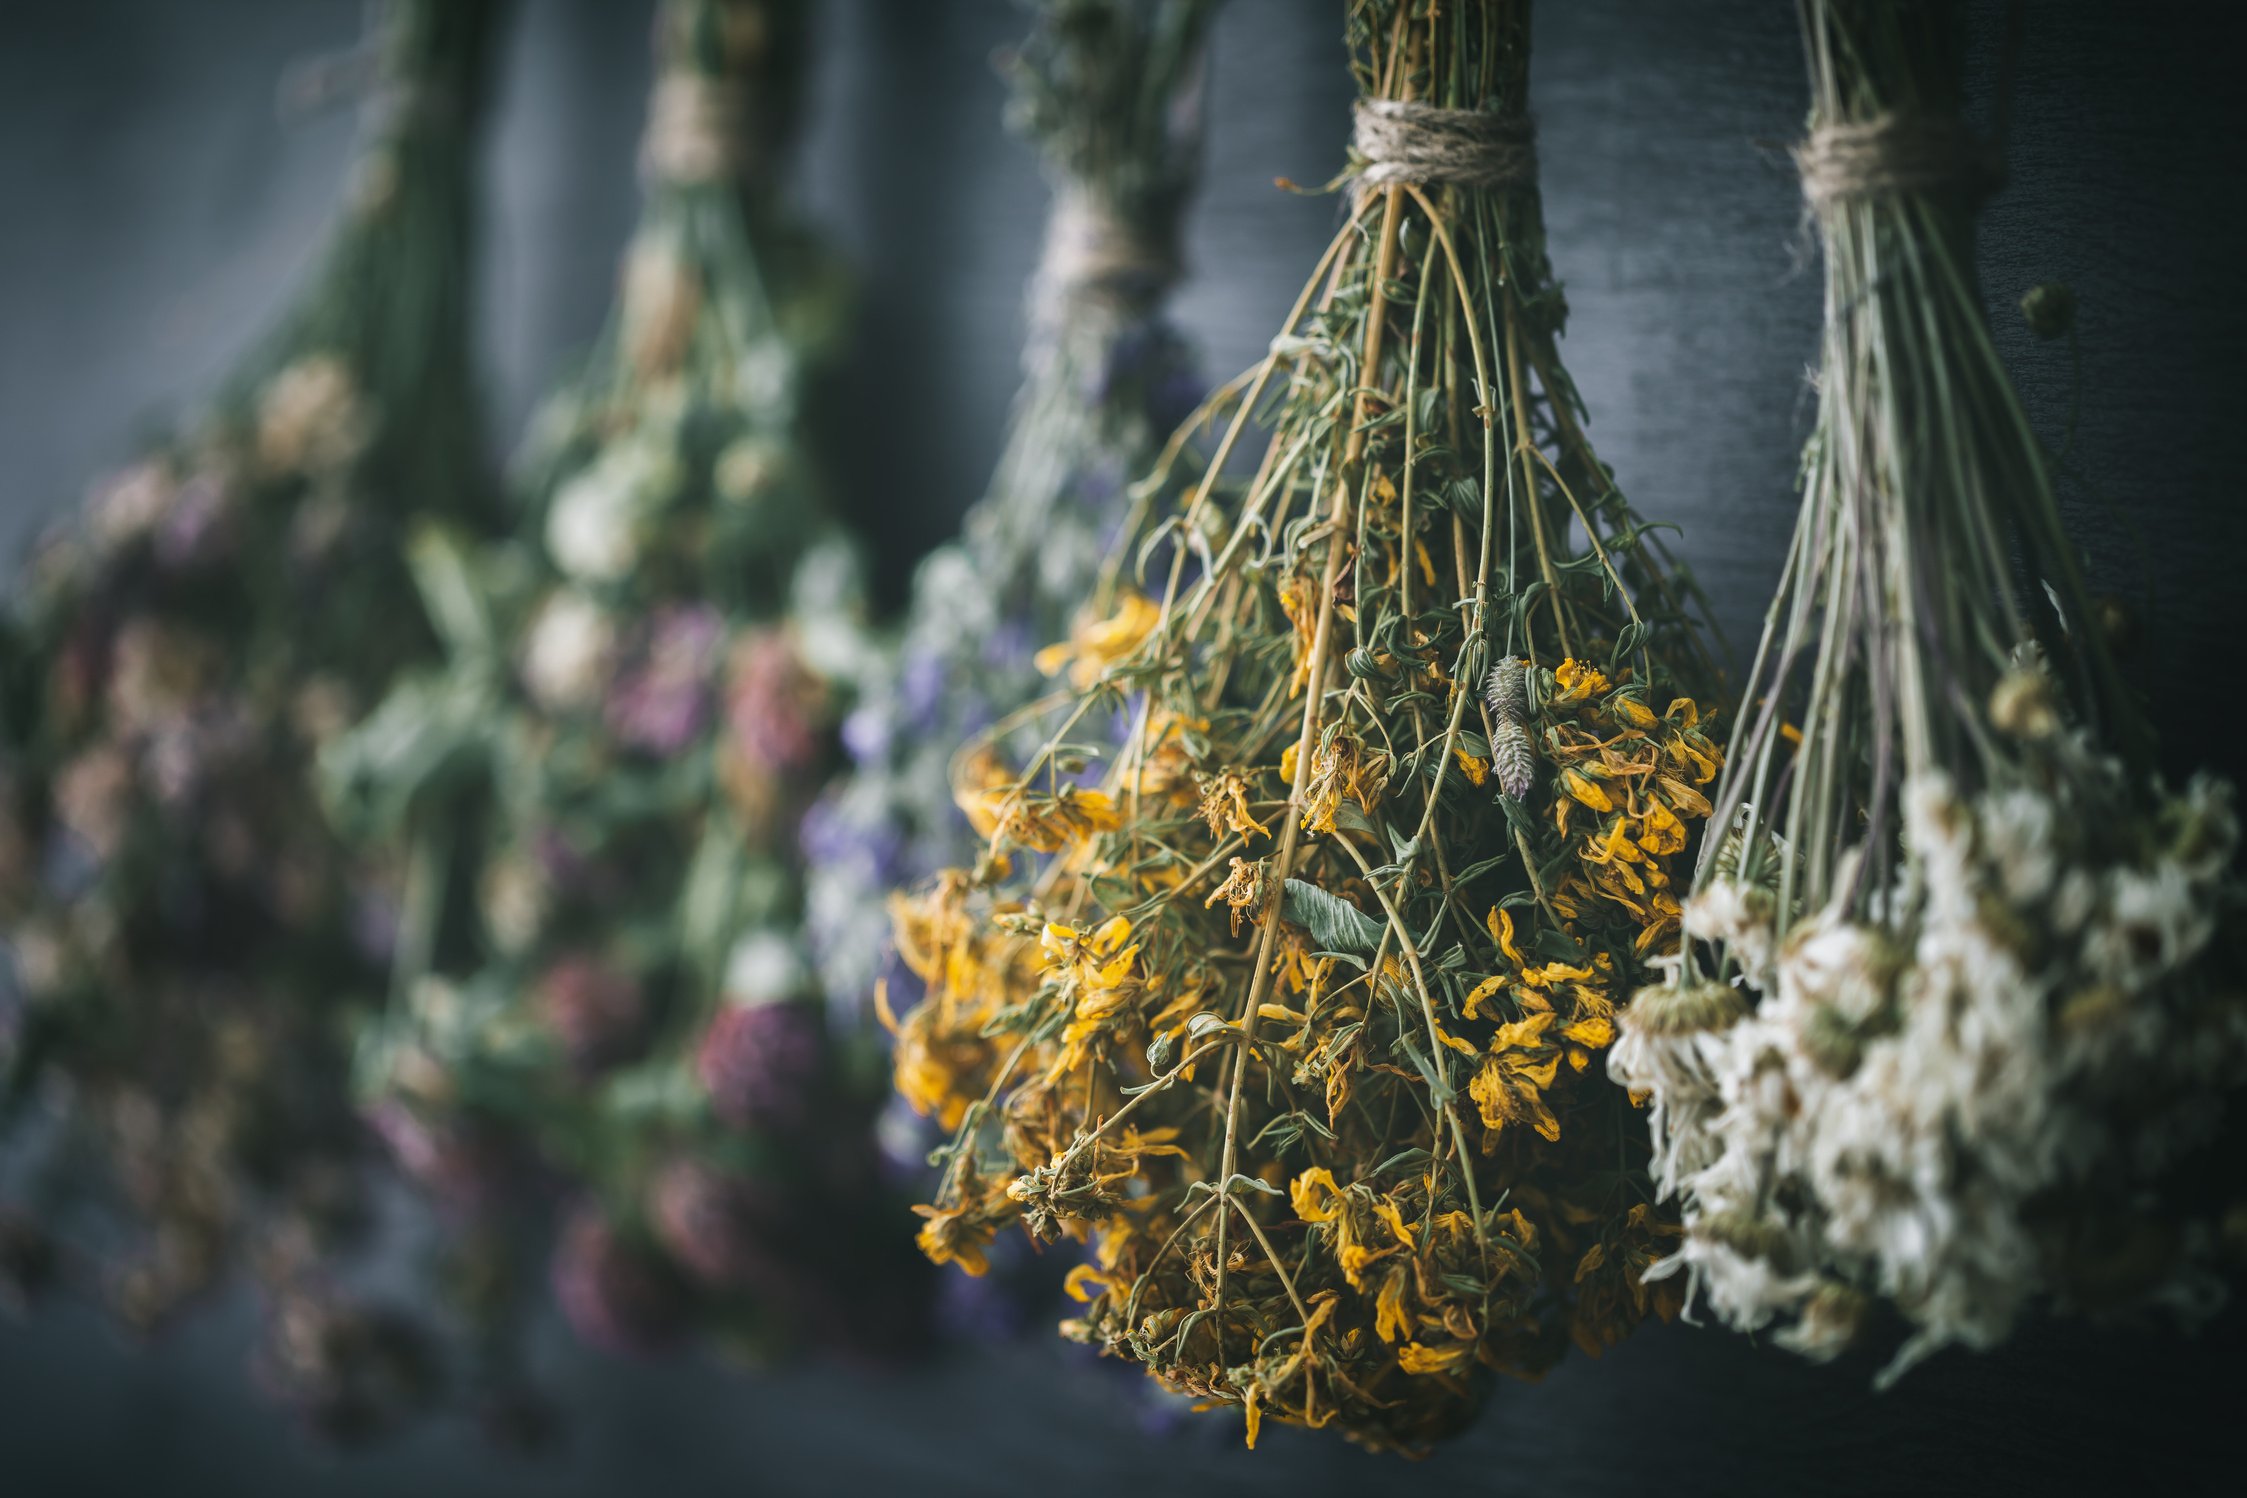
x=1095, y=254
x=1401, y=141
x=698, y=130
x=1890, y=154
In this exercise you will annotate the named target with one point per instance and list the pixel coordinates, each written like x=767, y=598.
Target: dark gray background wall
x=151, y=213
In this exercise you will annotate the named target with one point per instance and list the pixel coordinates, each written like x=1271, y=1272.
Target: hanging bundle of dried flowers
x=1953, y=1013
x=599, y=792
x=1288, y=1005
x=1109, y=91
x=188, y=941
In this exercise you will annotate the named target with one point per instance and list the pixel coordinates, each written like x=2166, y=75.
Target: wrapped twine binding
x=1891, y=154
x=1405, y=142
x=1095, y=254
x=698, y=131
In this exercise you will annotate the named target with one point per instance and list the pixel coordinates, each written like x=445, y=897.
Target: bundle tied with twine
x=1110, y=94
x=1953, y=1003
x=598, y=793
x=1404, y=142
x=1279, y=979
x=1891, y=154
x=187, y=940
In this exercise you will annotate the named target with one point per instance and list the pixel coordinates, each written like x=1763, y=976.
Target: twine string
x=1891, y=154
x=697, y=131
x=1096, y=254
x=1403, y=141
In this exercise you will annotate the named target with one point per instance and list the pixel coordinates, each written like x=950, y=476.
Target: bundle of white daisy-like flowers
x=1949, y=1010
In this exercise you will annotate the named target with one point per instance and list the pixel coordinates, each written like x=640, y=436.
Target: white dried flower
x=1911, y=1105
x=748, y=468
x=131, y=504
x=594, y=530
x=765, y=966
x=310, y=418
x=515, y=899
x=566, y=653
x=1742, y=917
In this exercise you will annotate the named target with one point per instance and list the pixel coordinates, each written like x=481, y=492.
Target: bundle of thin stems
x=597, y=795
x=188, y=941
x=1287, y=1006
x=1950, y=1013
x=1109, y=91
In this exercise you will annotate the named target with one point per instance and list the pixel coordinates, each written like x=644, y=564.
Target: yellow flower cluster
x=1083, y=1059
x=1633, y=776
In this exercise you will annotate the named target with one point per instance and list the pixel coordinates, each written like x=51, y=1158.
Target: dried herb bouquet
x=1288, y=1004
x=1110, y=93
x=1950, y=1006
x=598, y=794
x=188, y=941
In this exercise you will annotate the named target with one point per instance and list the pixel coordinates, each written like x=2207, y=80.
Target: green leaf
x=1475, y=871
x=437, y=556
x=1332, y=921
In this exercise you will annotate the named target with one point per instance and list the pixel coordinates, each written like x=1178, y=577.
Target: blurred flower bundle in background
x=1289, y=1001
x=1957, y=1009
x=597, y=797
x=189, y=943
x=1110, y=93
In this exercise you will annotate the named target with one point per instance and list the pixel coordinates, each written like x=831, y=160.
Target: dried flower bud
x=1512, y=753
x=1749, y=1235
x=750, y=468
x=760, y=1065
x=661, y=701
x=597, y=1013
x=1685, y=1009
x=2023, y=705
x=619, y=1296
x=725, y=1229
x=566, y=654
x=311, y=419
x=353, y=1371
x=1829, y=1323
x=459, y=1166
x=2050, y=309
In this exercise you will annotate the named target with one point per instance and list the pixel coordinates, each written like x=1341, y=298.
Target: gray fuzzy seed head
x=1507, y=689
x=1514, y=759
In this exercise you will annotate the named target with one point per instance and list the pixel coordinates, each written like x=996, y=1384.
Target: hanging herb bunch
x=1109, y=90
x=188, y=941
x=598, y=794
x=1949, y=1010
x=1289, y=1005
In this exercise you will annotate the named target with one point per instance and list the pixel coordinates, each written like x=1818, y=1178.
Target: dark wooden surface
x=150, y=211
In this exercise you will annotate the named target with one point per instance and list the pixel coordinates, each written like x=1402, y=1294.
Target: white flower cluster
x=1889, y=1105
x=598, y=524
